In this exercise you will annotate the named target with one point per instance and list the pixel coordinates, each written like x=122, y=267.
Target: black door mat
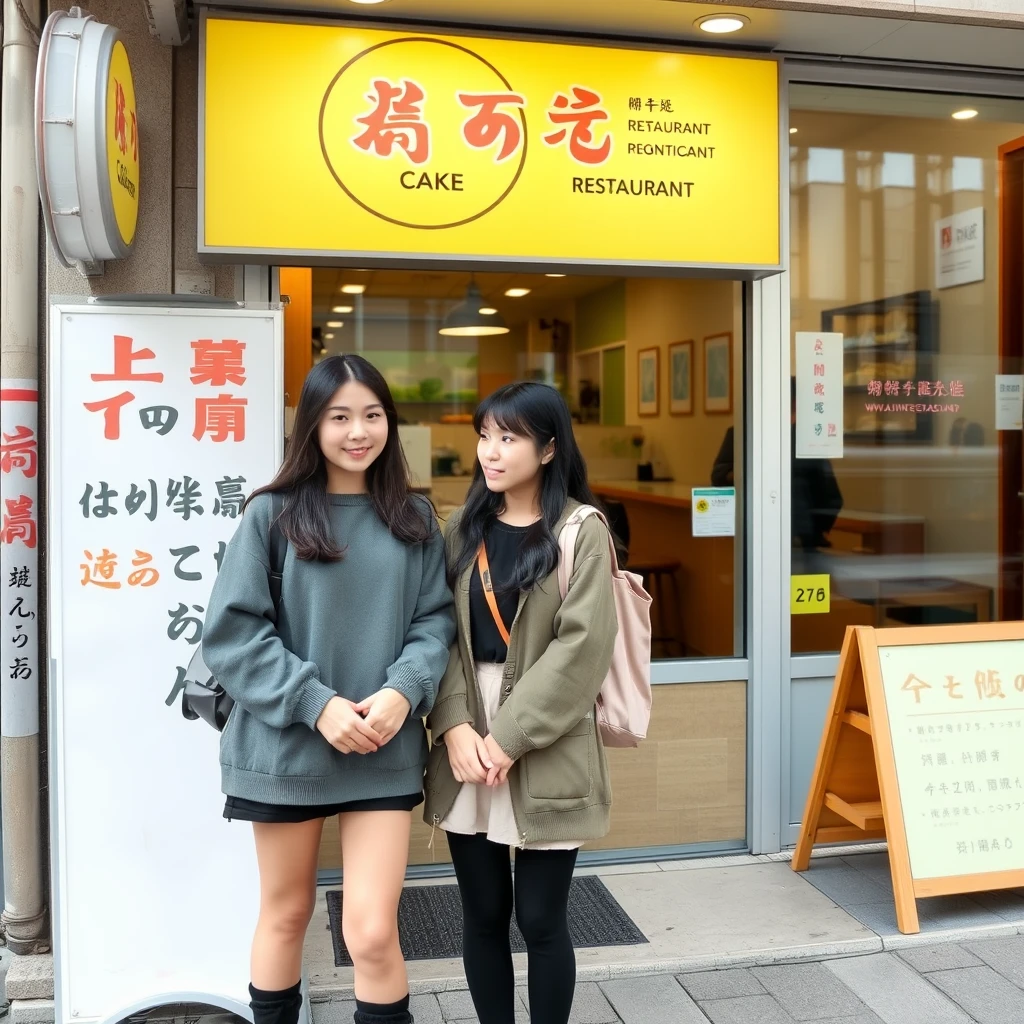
x=430, y=921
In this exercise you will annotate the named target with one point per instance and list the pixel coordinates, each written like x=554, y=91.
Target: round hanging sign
x=87, y=140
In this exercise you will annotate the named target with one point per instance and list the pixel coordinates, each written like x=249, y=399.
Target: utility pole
x=24, y=913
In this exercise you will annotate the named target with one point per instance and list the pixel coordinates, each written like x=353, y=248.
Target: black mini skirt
x=237, y=809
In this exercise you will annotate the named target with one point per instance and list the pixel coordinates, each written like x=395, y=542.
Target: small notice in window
x=1009, y=404
x=714, y=511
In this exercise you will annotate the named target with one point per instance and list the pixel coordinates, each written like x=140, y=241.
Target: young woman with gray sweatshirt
x=330, y=696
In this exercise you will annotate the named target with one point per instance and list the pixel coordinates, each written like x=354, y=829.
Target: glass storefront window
x=900, y=241
x=653, y=372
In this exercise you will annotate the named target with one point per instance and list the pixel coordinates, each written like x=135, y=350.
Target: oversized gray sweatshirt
x=381, y=617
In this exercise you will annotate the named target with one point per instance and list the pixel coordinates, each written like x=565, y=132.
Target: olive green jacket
x=559, y=655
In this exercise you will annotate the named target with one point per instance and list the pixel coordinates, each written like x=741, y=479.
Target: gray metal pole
x=24, y=911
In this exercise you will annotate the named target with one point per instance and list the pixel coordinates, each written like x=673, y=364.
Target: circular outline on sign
x=384, y=216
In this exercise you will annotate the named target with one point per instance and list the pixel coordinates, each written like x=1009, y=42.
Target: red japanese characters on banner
x=19, y=551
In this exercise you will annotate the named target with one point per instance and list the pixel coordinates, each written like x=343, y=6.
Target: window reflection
x=887, y=190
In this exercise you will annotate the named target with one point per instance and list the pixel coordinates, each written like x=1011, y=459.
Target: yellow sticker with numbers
x=809, y=595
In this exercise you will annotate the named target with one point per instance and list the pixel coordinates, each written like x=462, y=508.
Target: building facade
x=899, y=204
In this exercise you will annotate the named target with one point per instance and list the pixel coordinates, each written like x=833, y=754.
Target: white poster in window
x=713, y=511
x=819, y=395
x=960, y=248
x=1009, y=401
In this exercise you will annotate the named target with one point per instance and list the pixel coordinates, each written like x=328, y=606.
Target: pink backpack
x=624, y=704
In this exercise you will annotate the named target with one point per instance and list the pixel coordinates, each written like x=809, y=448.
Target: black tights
x=540, y=895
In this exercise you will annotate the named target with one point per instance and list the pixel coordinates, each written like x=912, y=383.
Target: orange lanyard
x=492, y=603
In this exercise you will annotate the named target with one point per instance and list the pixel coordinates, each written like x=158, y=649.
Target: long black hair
x=537, y=411
x=305, y=520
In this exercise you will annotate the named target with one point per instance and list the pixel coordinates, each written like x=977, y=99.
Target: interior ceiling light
x=468, y=320
x=554, y=275
x=793, y=131
x=328, y=336
x=487, y=311
x=367, y=2
x=722, y=24
x=964, y=115
x=353, y=289
x=341, y=309
x=517, y=293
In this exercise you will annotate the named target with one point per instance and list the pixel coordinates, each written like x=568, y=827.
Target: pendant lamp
x=467, y=321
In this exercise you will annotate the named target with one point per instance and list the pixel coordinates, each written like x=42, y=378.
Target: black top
x=502, y=547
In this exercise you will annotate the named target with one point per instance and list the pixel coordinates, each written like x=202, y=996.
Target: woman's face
x=353, y=432
x=510, y=462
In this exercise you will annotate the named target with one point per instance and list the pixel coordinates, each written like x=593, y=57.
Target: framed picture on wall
x=647, y=377
x=718, y=373
x=680, y=377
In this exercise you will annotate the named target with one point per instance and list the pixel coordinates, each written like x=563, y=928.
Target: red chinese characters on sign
x=124, y=357
x=19, y=451
x=214, y=363
x=218, y=363
x=582, y=112
x=111, y=409
x=923, y=388
x=120, y=135
x=489, y=123
x=396, y=119
x=18, y=522
x=220, y=418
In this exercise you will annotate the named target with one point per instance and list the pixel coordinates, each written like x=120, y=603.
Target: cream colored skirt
x=480, y=809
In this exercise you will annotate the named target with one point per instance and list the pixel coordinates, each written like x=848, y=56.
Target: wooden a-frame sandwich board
x=933, y=762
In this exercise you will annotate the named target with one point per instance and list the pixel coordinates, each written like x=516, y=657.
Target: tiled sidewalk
x=952, y=983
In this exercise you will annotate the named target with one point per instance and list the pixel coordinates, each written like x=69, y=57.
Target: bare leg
x=375, y=853
x=287, y=858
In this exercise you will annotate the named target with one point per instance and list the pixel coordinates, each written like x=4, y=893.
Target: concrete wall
x=976, y=12
x=166, y=87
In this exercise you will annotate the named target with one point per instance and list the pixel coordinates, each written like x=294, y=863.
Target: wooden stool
x=653, y=575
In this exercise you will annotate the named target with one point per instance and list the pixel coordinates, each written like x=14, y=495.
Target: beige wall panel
x=685, y=784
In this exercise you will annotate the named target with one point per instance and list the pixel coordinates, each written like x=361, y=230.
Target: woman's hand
x=500, y=764
x=343, y=727
x=385, y=712
x=467, y=754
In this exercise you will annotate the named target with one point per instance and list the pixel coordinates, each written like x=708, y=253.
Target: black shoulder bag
x=203, y=697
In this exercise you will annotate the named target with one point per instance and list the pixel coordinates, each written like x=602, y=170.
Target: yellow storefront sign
x=323, y=141
x=122, y=144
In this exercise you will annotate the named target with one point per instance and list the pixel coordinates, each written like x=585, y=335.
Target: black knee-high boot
x=276, y=1007
x=383, y=1013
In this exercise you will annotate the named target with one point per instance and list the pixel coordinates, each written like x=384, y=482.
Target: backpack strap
x=567, y=544
x=278, y=548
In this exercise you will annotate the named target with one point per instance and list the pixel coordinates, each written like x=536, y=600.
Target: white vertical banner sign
x=19, y=558
x=161, y=422
x=819, y=395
